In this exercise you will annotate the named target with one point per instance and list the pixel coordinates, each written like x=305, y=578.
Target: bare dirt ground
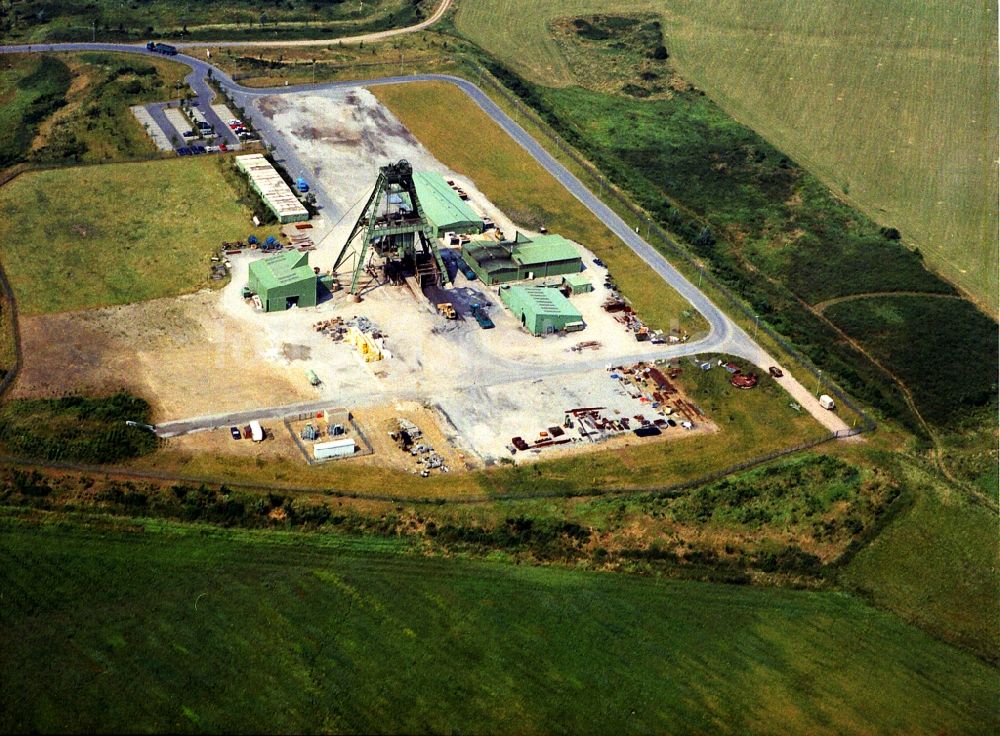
x=212, y=353
x=182, y=354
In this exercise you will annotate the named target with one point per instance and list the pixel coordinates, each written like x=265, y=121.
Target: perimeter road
x=725, y=336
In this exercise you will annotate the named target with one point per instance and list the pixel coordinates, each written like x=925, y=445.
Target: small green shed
x=577, y=283
x=283, y=280
x=541, y=310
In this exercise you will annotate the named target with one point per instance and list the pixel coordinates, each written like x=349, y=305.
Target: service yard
x=202, y=357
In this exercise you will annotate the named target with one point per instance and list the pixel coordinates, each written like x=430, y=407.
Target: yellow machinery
x=365, y=345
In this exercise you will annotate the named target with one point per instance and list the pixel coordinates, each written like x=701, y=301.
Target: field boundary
x=667, y=242
x=665, y=491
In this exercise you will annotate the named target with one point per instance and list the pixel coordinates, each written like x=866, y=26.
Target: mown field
x=936, y=566
x=769, y=229
x=469, y=142
x=155, y=626
x=92, y=236
x=74, y=20
x=893, y=105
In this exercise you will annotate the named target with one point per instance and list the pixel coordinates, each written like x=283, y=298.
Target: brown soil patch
x=182, y=355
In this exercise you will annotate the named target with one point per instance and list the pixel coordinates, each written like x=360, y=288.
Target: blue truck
x=161, y=48
x=479, y=312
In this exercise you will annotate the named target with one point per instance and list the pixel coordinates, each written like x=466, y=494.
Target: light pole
x=756, y=325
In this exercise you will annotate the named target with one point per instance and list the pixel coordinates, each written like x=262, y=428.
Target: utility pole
x=94, y=37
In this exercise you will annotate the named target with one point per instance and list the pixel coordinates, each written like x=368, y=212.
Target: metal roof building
x=541, y=310
x=283, y=280
x=445, y=210
x=522, y=259
x=267, y=182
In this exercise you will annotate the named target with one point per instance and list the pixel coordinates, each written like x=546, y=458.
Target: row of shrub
x=788, y=241
x=76, y=429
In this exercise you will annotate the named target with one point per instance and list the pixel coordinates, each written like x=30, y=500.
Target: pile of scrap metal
x=334, y=328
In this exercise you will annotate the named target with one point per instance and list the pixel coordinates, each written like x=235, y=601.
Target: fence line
x=666, y=242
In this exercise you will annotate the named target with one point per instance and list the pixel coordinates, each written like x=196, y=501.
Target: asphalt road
x=724, y=335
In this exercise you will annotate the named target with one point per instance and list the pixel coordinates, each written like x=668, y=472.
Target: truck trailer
x=161, y=48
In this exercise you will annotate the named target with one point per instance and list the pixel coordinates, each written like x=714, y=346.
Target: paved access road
x=724, y=336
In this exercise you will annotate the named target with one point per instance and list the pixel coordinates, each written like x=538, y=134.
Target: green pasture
x=141, y=625
x=893, y=105
x=82, y=20
x=92, y=236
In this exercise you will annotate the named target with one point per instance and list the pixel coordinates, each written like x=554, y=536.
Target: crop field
x=37, y=20
x=770, y=230
x=99, y=235
x=192, y=628
x=467, y=141
x=893, y=105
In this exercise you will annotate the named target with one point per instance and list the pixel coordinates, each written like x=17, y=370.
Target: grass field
x=469, y=142
x=159, y=626
x=74, y=20
x=31, y=88
x=893, y=105
x=752, y=423
x=99, y=235
x=937, y=566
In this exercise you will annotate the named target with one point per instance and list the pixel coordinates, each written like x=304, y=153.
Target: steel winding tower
x=394, y=224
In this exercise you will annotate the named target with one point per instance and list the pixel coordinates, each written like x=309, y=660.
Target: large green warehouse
x=541, y=310
x=524, y=258
x=445, y=210
x=283, y=280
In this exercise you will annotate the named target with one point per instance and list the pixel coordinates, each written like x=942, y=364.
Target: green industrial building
x=443, y=208
x=577, y=283
x=283, y=280
x=523, y=259
x=541, y=310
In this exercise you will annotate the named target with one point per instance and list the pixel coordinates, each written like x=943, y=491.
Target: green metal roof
x=491, y=257
x=441, y=203
x=282, y=269
x=545, y=249
x=576, y=279
x=543, y=300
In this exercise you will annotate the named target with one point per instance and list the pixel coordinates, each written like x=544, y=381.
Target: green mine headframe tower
x=394, y=224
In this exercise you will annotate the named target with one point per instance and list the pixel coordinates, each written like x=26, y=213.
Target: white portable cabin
x=256, y=431
x=334, y=448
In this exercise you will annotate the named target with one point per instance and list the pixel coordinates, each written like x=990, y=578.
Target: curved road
x=724, y=336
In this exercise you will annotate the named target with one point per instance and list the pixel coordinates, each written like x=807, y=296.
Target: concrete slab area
x=153, y=129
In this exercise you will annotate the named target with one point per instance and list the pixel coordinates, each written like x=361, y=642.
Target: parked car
x=235, y=432
x=189, y=134
x=775, y=371
x=599, y=262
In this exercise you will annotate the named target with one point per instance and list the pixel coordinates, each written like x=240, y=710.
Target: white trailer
x=334, y=448
x=827, y=402
x=256, y=431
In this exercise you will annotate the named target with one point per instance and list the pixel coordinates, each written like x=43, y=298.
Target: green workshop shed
x=541, y=310
x=283, y=281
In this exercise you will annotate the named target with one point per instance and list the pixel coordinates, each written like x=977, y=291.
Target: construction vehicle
x=447, y=310
x=479, y=313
